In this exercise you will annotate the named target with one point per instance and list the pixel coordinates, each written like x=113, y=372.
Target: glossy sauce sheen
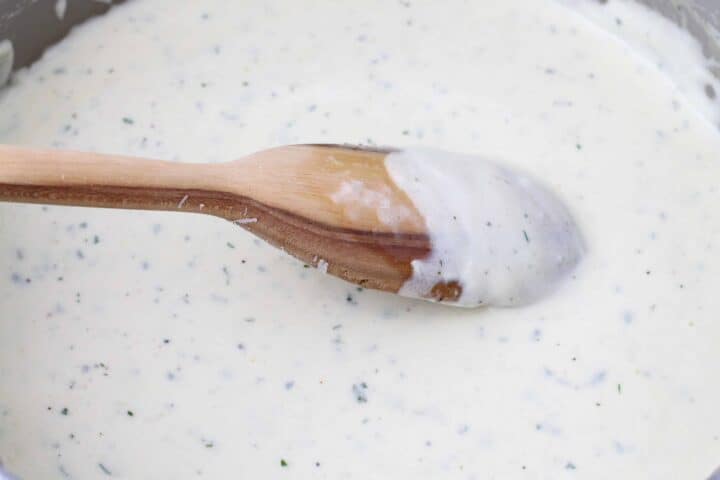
x=497, y=237
x=160, y=345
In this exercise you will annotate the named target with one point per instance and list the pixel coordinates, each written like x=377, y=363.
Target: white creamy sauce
x=6, y=60
x=501, y=236
x=357, y=197
x=146, y=345
x=651, y=38
x=322, y=265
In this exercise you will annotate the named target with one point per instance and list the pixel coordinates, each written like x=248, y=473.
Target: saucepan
x=28, y=27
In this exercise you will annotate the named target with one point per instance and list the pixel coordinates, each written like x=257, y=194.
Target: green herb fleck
x=283, y=462
x=527, y=239
x=65, y=411
x=104, y=469
x=230, y=245
x=578, y=146
x=710, y=91
x=128, y=121
x=130, y=413
x=360, y=392
x=619, y=387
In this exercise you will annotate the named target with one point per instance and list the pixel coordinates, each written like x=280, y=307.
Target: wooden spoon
x=283, y=195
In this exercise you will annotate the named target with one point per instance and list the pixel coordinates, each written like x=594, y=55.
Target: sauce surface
x=160, y=345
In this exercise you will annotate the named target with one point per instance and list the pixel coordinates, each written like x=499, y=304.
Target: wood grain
x=287, y=196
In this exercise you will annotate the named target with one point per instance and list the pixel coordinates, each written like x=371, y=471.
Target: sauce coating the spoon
x=498, y=237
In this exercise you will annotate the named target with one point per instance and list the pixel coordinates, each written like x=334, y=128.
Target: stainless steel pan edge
x=28, y=27
x=700, y=17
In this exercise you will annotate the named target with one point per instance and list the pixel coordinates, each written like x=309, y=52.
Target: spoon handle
x=333, y=207
x=31, y=175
